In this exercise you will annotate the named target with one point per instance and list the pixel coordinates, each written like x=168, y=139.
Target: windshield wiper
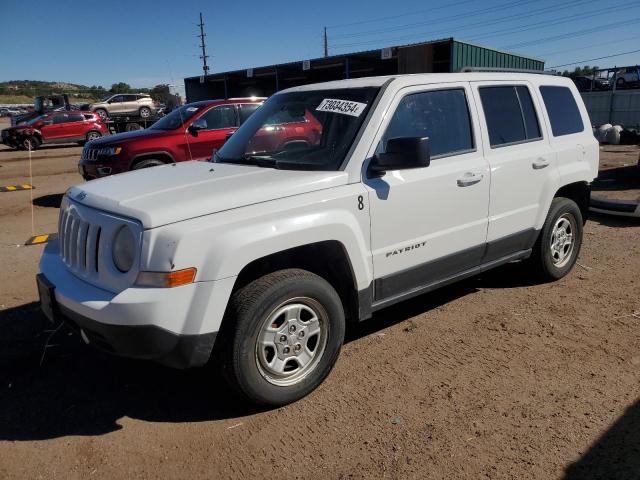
x=260, y=161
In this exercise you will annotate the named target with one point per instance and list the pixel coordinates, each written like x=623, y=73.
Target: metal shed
x=445, y=55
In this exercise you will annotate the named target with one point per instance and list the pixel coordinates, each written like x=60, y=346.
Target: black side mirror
x=195, y=127
x=402, y=153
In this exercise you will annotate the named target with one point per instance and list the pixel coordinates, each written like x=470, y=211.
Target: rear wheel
x=558, y=245
x=103, y=113
x=93, y=136
x=282, y=334
x=621, y=83
x=148, y=163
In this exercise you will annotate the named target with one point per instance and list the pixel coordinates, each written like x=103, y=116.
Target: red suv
x=190, y=132
x=55, y=127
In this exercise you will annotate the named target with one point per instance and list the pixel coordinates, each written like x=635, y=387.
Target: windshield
x=177, y=117
x=104, y=99
x=311, y=130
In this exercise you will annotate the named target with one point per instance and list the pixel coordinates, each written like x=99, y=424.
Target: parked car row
x=55, y=127
x=627, y=77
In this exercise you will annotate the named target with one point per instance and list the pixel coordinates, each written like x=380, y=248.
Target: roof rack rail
x=507, y=70
x=249, y=97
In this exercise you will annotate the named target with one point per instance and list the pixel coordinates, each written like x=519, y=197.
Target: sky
x=144, y=43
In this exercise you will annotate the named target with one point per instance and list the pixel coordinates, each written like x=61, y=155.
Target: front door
x=221, y=121
x=428, y=224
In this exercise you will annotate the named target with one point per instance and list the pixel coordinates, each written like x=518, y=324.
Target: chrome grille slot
x=83, y=241
x=78, y=242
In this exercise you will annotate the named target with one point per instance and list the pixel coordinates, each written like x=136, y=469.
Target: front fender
x=222, y=244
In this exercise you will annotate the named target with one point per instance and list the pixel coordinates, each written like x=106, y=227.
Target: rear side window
x=509, y=114
x=563, y=111
x=441, y=115
x=246, y=109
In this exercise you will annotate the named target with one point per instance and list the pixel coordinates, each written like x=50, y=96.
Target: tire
x=267, y=373
x=148, y=163
x=30, y=143
x=133, y=127
x=621, y=83
x=145, y=112
x=552, y=257
x=93, y=135
x=104, y=115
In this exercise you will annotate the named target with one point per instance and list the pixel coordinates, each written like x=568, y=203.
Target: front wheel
x=150, y=162
x=30, y=143
x=145, y=112
x=558, y=245
x=103, y=113
x=282, y=334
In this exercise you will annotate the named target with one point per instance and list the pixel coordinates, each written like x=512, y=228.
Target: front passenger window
x=441, y=115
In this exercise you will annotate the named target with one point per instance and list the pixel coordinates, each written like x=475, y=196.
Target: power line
x=483, y=23
x=549, y=23
x=437, y=19
x=387, y=18
x=593, y=45
x=598, y=58
x=586, y=31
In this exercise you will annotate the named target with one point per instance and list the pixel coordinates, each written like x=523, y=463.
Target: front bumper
x=164, y=325
x=92, y=170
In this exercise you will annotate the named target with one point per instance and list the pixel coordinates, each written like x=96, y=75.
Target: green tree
x=120, y=87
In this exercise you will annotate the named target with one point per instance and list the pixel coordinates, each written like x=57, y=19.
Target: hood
x=172, y=193
x=127, y=136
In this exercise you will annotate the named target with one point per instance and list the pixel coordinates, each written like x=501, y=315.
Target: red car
x=190, y=132
x=55, y=127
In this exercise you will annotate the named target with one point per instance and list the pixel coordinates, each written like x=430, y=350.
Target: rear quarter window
x=563, y=111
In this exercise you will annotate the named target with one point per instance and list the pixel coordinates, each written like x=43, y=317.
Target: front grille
x=90, y=154
x=79, y=242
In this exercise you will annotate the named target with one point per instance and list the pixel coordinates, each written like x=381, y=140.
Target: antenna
x=204, y=56
x=326, y=43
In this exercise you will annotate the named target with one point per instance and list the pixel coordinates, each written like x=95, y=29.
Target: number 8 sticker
x=360, y=202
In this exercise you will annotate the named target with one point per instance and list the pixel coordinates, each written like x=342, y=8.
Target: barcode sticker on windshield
x=345, y=107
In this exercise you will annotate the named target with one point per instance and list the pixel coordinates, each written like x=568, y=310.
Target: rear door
x=523, y=164
x=428, y=224
x=221, y=121
x=129, y=104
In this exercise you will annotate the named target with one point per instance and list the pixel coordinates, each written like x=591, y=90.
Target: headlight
x=124, y=249
x=109, y=151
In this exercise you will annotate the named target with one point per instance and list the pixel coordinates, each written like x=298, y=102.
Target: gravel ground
x=495, y=377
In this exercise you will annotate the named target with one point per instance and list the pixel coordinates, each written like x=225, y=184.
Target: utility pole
x=326, y=43
x=204, y=56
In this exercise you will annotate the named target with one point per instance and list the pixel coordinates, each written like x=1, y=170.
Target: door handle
x=540, y=163
x=469, y=179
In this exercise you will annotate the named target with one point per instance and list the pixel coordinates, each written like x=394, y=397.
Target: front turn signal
x=166, y=279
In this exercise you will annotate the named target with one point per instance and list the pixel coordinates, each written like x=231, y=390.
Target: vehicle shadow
x=53, y=385
x=616, y=179
x=614, y=220
x=67, y=388
x=616, y=454
x=54, y=200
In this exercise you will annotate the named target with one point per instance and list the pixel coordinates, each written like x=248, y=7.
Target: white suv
x=124, y=103
x=259, y=258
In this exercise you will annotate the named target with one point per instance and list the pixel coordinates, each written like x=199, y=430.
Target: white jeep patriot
x=255, y=260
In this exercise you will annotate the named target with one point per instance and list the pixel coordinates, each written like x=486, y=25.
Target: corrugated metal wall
x=618, y=108
x=469, y=55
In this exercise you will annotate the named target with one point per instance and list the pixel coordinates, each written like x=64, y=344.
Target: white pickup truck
x=256, y=260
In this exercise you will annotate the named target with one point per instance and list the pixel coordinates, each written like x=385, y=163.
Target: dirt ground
x=495, y=377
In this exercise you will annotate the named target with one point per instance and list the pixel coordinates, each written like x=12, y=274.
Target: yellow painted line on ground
x=13, y=188
x=39, y=239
